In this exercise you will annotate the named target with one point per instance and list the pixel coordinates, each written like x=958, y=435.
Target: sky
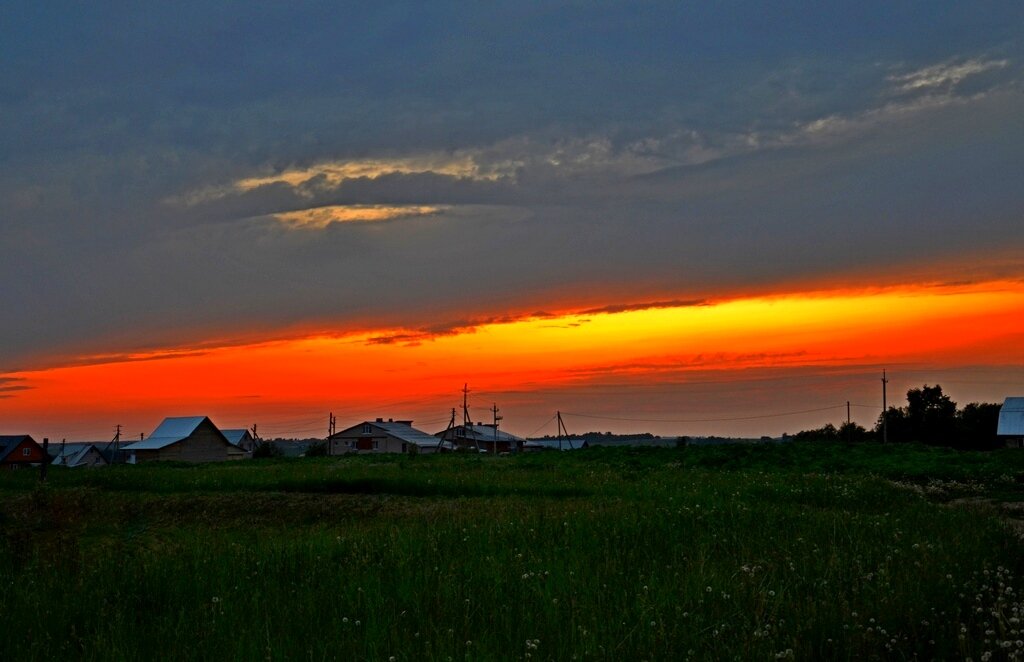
x=717, y=219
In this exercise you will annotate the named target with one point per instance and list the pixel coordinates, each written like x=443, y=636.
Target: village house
x=486, y=437
x=241, y=437
x=78, y=455
x=1010, y=429
x=184, y=439
x=382, y=436
x=20, y=450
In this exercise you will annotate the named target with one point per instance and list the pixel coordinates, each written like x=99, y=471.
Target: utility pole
x=885, y=411
x=849, y=430
x=494, y=410
x=447, y=431
x=331, y=427
x=561, y=429
x=467, y=422
x=46, y=459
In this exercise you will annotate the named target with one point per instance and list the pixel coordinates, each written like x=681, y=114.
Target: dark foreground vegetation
x=805, y=551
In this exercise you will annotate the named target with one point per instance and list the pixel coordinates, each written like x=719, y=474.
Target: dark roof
x=9, y=442
x=237, y=435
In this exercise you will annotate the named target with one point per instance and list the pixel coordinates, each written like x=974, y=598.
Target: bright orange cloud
x=290, y=382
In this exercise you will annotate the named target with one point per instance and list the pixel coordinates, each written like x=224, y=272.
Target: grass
x=804, y=551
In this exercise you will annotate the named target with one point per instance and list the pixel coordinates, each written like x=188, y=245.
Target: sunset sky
x=721, y=219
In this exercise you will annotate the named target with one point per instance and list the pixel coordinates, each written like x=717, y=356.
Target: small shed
x=1010, y=430
x=382, y=436
x=78, y=455
x=184, y=439
x=241, y=437
x=485, y=436
x=20, y=450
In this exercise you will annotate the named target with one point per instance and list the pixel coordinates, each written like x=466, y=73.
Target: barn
x=1010, y=430
x=382, y=436
x=184, y=439
x=20, y=450
x=484, y=436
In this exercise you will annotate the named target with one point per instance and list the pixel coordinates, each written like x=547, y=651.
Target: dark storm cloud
x=609, y=154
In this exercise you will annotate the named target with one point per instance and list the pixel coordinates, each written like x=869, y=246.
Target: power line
x=544, y=425
x=703, y=420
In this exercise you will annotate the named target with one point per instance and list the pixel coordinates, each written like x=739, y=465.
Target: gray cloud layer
x=616, y=155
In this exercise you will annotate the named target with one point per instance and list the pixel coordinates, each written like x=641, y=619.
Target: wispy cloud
x=944, y=75
x=321, y=217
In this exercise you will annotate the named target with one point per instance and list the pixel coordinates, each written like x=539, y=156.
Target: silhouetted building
x=484, y=436
x=185, y=439
x=382, y=436
x=20, y=450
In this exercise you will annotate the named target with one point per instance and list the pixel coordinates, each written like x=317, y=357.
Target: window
x=367, y=429
x=376, y=444
x=26, y=452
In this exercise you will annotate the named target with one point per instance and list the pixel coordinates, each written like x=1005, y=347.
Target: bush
x=266, y=449
x=317, y=449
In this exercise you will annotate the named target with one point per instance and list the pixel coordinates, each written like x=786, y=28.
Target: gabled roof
x=235, y=436
x=406, y=432
x=402, y=430
x=73, y=454
x=1011, y=418
x=171, y=431
x=9, y=442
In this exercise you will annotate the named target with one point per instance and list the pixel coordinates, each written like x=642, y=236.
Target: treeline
x=930, y=417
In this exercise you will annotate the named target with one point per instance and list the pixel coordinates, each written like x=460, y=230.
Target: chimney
x=380, y=420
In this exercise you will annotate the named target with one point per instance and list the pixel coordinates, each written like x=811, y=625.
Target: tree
x=853, y=432
x=976, y=426
x=826, y=433
x=931, y=415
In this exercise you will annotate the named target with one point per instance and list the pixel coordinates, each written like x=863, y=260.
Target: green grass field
x=805, y=551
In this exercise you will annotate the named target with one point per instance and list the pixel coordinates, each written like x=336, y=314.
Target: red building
x=20, y=450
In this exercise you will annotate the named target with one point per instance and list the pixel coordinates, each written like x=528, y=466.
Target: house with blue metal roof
x=1010, y=429
x=184, y=439
x=240, y=437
